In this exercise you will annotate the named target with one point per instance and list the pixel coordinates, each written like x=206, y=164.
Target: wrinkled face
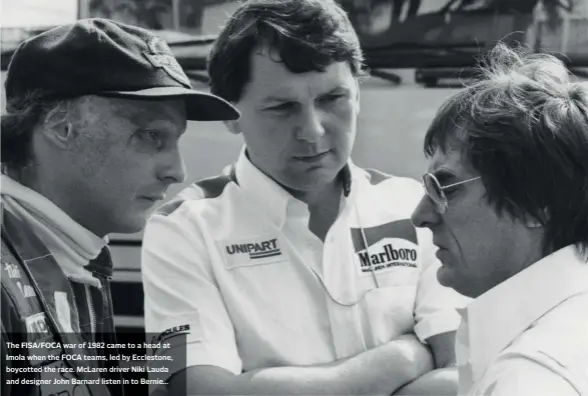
x=478, y=248
x=299, y=128
x=126, y=158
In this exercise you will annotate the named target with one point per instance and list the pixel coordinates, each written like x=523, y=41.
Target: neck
x=317, y=197
x=53, y=190
x=23, y=176
x=323, y=206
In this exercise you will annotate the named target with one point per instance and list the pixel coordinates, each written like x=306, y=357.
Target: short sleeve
x=519, y=375
x=181, y=295
x=436, y=305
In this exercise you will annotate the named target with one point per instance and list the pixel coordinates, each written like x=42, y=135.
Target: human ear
x=57, y=128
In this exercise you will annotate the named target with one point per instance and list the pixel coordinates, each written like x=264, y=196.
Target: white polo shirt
x=232, y=261
x=529, y=334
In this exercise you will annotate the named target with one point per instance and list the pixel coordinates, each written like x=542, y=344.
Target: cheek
x=342, y=124
x=268, y=136
x=119, y=176
x=481, y=246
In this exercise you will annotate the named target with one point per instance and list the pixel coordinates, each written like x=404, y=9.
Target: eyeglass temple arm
x=460, y=182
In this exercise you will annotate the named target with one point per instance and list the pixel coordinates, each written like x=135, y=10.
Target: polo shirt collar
x=275, y=198
x=496, y=318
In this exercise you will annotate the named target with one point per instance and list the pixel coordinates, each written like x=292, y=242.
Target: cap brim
x=200, y=106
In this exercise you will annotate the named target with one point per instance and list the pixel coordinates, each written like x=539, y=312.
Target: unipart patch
x=252, y=251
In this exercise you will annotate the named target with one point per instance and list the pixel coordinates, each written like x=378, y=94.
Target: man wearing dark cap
x=95, y=111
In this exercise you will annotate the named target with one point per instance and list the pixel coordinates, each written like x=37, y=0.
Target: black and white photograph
x=294, y=197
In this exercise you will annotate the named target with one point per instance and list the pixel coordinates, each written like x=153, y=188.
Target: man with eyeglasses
x=507, y=202
x=297, y=272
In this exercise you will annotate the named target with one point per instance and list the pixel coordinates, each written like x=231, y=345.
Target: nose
x=425, y=214
x=173, y=169
x=311, y=127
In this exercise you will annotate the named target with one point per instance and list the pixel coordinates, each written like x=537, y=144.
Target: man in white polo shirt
x=296, y=272
x=508, y=206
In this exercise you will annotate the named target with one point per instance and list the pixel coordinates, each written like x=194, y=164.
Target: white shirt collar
x=496, y=318
x=276, y=200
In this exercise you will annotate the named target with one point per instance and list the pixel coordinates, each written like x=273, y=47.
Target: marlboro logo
x=388, y=257
x=390, y=245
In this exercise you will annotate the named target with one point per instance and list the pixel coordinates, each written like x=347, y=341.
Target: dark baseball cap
x=102, y=57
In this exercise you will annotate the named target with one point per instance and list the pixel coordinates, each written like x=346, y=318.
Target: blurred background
x=419, y=53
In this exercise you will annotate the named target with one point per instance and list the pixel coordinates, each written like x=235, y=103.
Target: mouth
x=154, y=198
x=311, y=157
x=437, y=243
x=441, y=253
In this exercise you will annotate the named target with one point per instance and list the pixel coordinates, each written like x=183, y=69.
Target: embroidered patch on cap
x=160, y=55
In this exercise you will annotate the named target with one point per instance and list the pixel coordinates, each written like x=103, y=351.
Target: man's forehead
x=158, y=114
x=135, y=108
x=451, y=164
x=270, y=77
x=447, y=158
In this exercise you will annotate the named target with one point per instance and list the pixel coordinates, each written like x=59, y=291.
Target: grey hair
x=23, y=115
x=524, y=128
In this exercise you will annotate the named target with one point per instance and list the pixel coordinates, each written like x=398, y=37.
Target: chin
x=131, y=225
x=447, y=278
x=444, y=277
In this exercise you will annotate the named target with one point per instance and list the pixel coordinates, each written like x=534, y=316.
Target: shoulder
x=377, y=177
x=554, y=349
x=204, y=189
x=522, y=375
x=387, y=193
x=560, y=335
x=560, y=332
x=401, y=185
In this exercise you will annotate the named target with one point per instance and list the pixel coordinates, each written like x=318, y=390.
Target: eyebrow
x=165, y=129
x=280, y=98
x=276, y=98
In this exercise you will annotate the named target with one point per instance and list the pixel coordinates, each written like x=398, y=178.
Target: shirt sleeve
x=183, y=305
x=523, y=376
x=436, y=305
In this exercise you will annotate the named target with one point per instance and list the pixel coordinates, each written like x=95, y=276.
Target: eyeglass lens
x=434, y=190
